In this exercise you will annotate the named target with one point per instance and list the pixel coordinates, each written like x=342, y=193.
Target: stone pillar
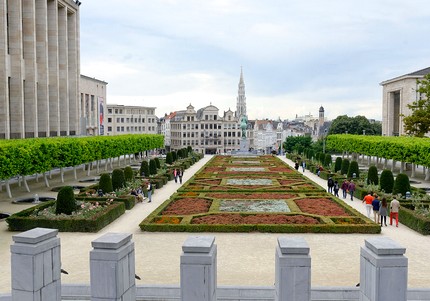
x=112, y=268
x=199, y=269
x=36, y=266
x=383, y=270
x=63, y=68
x=292, y=270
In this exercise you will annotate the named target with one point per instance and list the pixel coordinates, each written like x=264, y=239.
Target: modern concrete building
x=93, y=106
x=397, y=93
x=121, y=120
x=39, y=59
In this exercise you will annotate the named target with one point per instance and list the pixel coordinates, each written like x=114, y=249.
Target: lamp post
x=324, y=136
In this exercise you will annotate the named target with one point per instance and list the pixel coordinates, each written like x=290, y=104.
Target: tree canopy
x=294, y=143
x=355, y=125
x=418, y=123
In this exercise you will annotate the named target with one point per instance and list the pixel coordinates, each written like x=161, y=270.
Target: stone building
x=397, y=93
x=121, y=120
x=93, y=106
x=39, y=59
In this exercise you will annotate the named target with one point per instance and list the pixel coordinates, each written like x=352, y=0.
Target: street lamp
x=324, y=136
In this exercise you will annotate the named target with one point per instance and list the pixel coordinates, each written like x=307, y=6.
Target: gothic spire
x=241, y=99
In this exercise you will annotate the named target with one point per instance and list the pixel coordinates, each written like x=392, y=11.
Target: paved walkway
x=243, y=258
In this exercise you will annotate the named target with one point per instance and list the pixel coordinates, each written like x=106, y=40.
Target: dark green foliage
x=152, y=167
x=157, y=162
x=327, y=160
x=174, y=156
x=189, y=149
x=66, y=203
x=105, y=183
x=322, y=158
x=353, y=169
x=372, y=175
x=401, y=184
x=292, y=143
x=128, y=174
x=338, y=164
x=386, y=181
x=311, y=154
x=345, y=166
x=144, y=168
x=354, y=125
x=169, y=158
x=118, y=179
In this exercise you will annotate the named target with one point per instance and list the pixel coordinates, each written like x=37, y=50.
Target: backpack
x=330, y=182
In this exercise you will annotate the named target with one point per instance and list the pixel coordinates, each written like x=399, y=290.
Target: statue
x=243, y=125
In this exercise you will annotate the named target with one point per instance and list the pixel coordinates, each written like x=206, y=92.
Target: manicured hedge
x=21, y=221
x=409, y=218
x=128, y=200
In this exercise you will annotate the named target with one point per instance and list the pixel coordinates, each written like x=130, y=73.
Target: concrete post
x=292, y=270
x=383, y=270
x=199, y=269
x=112, y=268
x=36, y=266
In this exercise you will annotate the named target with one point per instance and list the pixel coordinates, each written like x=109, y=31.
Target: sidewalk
x=245, y=259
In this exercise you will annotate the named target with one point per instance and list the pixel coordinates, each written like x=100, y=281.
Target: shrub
x=353, y=169
x=144, y=168
x=118, y=179
x=66, y=203
x=344, y=167
x=105, y=183
x=152, y=167
x=157, y=162
x=372, y=175
x=386, y=181
x=401, y=184
x=174, y=156
x=338, y=164
x=327, y=160
x=128, y=174
x=169, y=158
x=189, y=149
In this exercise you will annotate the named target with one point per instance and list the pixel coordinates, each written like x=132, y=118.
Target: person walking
x=376, y=205
x=149, y=189
x=344, y=188
x=175, y=175
x=368, y=199
x=394, y=211
x=336, y=188
x=303, y=166
x=383, y=211
x=351, y=189
x=180, y=174
x=330, y=184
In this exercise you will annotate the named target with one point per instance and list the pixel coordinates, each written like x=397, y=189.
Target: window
x=110, y=111
x=109, y=129
x=109, y=119
x=118, y=120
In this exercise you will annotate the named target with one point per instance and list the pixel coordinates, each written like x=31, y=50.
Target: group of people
x=139, y=192
x=347, y=187
x=178, y=173
x=302, y=164
x=380, y=209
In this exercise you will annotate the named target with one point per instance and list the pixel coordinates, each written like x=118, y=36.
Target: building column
x=112, y=268
x=199, y=269
x=63, y=67
x=36, y=265
x=54, y=104
x=383, y=270
x=292, y=270
x=4, y=76
x=73, y=76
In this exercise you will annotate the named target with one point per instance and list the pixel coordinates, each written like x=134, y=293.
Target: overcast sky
x=296, y=55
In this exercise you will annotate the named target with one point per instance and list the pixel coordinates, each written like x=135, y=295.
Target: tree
x=293, y=143
x=345, y=166
x=66, y=203
x=105, y=183
x=401, y=184
x=386, y=182
x=372, y=176
x=338, y=164
x=354, y=125
x=353, y=169
x=152, y=167
x=144, y=168
x=128, y=174
x=418, y=123
x=169, y=158
x=118, y=179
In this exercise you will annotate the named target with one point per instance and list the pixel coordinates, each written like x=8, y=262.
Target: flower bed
x=262, y=194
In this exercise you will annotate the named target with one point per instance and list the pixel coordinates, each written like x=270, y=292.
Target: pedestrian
x=351, y=189
x=149, y=189
x=180, y=174
x=368, y=199
x=344, y=188
x=394, y=211
x=303, y=166
x=175, y=175
x=330, y=184
x=296, y=165
x=383, y=211
x=376, y=205
x=336, y=188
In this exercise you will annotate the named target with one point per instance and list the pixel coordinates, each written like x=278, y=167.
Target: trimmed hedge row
x=128, y=200
x=409, y=218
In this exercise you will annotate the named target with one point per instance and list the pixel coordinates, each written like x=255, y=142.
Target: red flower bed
x=254, y=195
x=187, y=206
x=281, y=169
x=228, y=219
x=325, y=207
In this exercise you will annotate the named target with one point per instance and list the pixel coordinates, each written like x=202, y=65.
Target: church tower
x=241, y=99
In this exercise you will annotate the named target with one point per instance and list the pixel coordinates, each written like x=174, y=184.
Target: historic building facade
x=121, y=120
x=39, y=59
x=93, y=106
x=397, y=93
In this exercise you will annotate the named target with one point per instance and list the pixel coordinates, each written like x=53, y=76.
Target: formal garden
x=254, y=193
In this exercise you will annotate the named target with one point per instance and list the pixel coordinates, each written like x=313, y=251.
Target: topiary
x=144, y=168
x=105, y=183
x=157, y=162
x=344, y=167
x=128, y=174
x=152, y=167
x=401, y=184
x=372, y=176
x=118, y=179
x=338, y=164
x=169, y=158
x=189, y=149
x=353, y=169
x=66, y=203
x=386, y=182
x=174, y=156
x=327, y=160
